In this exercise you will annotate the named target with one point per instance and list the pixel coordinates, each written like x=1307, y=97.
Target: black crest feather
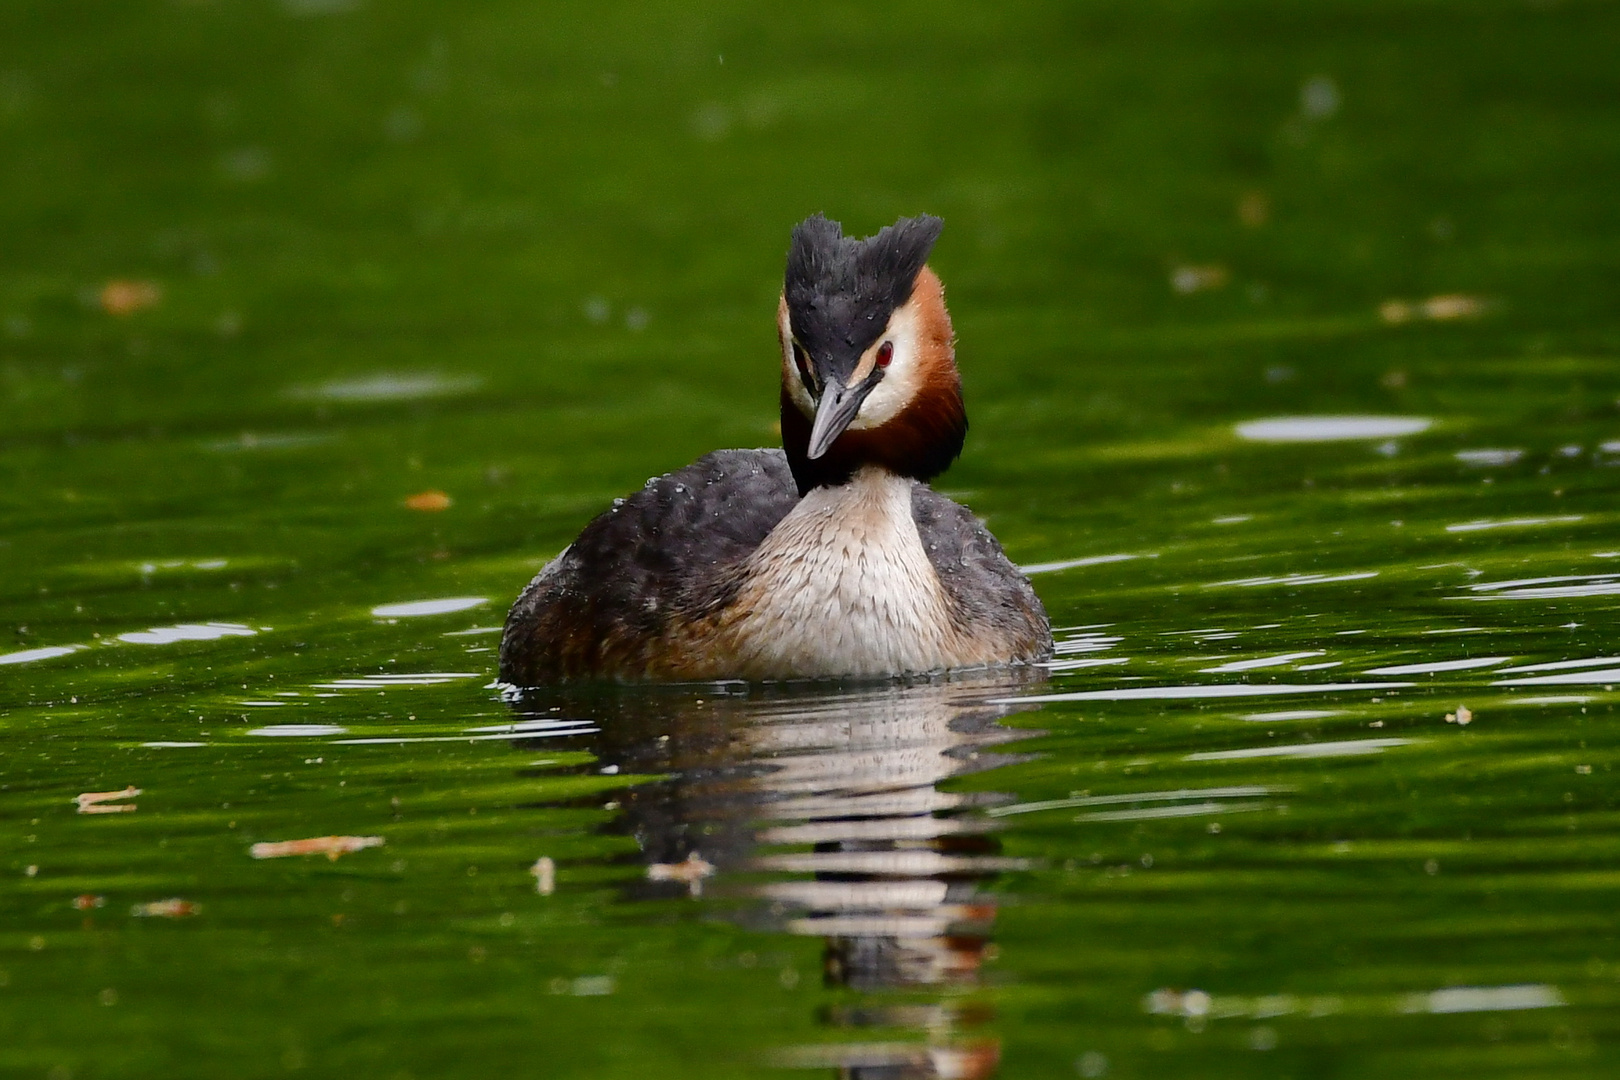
x=841, y=291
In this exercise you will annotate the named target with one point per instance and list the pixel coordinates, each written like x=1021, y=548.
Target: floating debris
x=428, y=502
x=545, y=875
x=1462, y=716
x=88, y=902
x=330, y=846
x=94, y=802
x=1437, y=308
x=123, y=298
x=172, y=908
x=690, y=872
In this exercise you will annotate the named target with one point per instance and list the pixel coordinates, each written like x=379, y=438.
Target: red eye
x=885, y=354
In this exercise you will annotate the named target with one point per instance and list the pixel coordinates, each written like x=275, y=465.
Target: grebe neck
x=844, y=586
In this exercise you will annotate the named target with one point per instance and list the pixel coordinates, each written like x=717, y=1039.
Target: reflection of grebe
x=830, y=557
x=834, y=798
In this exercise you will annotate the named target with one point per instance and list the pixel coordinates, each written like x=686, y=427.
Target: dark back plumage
x=841, y=291
x=666, y=555
x=984, y=589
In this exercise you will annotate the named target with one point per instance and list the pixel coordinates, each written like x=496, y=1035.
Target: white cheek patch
x=903, y=378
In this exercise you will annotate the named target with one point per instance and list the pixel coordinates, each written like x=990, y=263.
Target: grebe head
x=868, y=371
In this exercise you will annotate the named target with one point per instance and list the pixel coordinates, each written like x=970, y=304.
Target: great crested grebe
x=830, y=557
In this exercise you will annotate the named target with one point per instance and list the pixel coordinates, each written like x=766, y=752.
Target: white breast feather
x=843, y=586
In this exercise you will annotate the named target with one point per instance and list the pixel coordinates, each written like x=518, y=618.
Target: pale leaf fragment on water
x=428, y=501
x=1438, y=308
x=92, y=802
x=330, y=846
x=1453, y=306
x=126, y=297
x=172, y=908
x=690, y=872
x=545, y=875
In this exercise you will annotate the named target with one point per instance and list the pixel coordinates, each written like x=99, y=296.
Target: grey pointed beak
x=839, y=405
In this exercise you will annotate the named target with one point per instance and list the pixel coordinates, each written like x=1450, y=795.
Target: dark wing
x=987, y=593
x=660, y=555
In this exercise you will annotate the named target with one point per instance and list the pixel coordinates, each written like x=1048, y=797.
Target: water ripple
x=1342, y=748
x=1262, y=662
x=1548, y=588
x=1434, y=666
x=442, y=606
x=1510, y=523
x=1292, y=429
x=1292, y=579
x=1241, y=791
x=166, y=635
x=28, y=656
x=1195, y=692
x=1089, y=560
x=1566, y=678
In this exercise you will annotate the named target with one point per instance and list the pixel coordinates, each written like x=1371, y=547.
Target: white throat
x=843, y=586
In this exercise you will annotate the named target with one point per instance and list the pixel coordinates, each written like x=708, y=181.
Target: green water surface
x=268, y=270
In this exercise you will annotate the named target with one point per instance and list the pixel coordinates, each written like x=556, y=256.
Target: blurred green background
x=270, y=269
